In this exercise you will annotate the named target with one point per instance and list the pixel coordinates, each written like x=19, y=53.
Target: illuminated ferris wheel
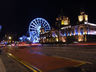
x=34, y=28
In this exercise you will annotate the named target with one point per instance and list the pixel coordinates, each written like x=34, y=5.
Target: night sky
x=15, y=15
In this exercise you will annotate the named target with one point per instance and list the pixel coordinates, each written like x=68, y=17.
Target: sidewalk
x=7, y=64
x=2, y=67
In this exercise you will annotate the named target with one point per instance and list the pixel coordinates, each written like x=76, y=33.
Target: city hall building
x=83, y=31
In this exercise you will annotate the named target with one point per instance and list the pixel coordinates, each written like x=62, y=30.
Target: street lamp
x=9, y=37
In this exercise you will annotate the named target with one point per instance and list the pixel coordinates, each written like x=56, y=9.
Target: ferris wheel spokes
x=35, y=26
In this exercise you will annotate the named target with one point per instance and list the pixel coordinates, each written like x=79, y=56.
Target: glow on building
x=65, y=21
x=87, y=23
x=63, y=39
x=80, y=38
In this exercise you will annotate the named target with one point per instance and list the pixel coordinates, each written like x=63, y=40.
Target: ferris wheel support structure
x=34, y=28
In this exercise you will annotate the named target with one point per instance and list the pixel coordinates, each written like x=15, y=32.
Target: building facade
x=80, y=33
x=83, y=31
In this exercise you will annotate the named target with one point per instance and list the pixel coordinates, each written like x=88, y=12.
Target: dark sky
x=15, y=15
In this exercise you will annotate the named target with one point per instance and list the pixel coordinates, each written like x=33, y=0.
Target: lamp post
x=9, y=39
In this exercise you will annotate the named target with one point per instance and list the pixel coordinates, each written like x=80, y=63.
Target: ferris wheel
x=34, y=28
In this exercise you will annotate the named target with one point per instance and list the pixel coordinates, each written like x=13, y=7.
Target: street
x=2, y=68
x=85, y=53
x=50, y=57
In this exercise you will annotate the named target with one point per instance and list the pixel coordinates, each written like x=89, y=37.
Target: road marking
x=82, y=62
x=34, y=69
x=2, y=67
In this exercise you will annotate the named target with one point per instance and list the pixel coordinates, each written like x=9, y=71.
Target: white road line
x=75, y=60
x=2, y=67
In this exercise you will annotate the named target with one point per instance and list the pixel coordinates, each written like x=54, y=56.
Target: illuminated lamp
x=86, y=17
x=10, y=37
x=57, y=39
x=79, y=39
x=64, y=22
x=80, y=18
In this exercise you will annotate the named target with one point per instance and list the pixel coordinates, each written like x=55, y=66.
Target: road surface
x=2, y=67
x=8, y=64
x=77, y=53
